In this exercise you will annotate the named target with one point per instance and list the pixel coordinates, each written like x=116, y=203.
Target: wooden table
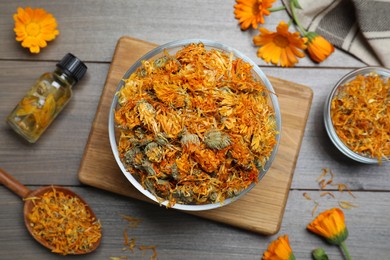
x=90, y=30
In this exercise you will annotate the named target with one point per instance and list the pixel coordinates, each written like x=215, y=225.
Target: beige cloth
x=360, y=27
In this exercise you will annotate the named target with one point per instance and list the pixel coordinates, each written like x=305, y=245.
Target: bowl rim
x=327, y=118
x=210, y=44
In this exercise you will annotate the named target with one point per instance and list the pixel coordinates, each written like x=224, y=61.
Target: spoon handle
x=14, y=185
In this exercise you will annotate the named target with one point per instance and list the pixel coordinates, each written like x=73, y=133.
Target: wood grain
x=177, y=234
x=261, y=210
x=90, y=30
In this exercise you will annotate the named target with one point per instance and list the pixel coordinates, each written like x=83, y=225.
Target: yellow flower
x=318, y=47
x=280, y=47
x=27, y=106
x=251, y=12
x=279, y=250
x=45, y=114
x=34, y=28
x=330, y=224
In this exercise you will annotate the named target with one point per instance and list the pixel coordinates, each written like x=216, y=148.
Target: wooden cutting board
x=260, y=210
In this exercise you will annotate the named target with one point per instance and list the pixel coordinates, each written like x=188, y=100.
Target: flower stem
x=275, y=9
x=294, y=15
x=345, y=249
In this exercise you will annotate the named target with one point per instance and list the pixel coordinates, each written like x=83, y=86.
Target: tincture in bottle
x=45, y=100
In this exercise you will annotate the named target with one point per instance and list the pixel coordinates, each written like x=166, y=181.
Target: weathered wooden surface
x=98, y=24
x=90, y=30
x=177, y=234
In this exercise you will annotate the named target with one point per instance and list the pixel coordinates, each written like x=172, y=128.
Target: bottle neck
x=61, y=75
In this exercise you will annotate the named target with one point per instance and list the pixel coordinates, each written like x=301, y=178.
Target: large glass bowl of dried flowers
x=194, y=124
x=357, y=115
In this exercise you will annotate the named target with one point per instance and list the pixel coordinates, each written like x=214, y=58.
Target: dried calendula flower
x=195, y=127
x=46, y=112
x=64, y=222
x=360, y=115
x=154, y=152
x=215, y=139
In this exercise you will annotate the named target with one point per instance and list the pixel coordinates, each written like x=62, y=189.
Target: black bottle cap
x=72, y=66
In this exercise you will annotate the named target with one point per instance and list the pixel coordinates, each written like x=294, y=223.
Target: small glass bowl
x=383, y=72
x=172, y=48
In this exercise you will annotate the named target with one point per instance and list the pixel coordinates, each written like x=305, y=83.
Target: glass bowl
x=330, y=129
x=172, y=48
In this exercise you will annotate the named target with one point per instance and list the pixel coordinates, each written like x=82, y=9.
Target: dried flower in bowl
x=195, y=127
x=357, y=115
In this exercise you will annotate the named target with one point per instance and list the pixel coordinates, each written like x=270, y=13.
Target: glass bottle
x=45, y=100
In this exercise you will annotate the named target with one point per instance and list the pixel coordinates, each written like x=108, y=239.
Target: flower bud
x=318, y=47
x=319, y=254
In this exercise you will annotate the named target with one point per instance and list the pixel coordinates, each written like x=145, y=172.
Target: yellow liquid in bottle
x=39, y=107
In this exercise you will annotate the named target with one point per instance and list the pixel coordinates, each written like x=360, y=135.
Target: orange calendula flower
x=318, y=47
x=251, y=12
x=330, y=224
x=42, y=116
x=34, y=28
x=279, y=250
x=280, y=47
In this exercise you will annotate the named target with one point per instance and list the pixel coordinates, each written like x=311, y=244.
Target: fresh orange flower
x=318, y=47
x=34, y=28
x=280, y=47
x=251, y=12
x=279, y=250
x=330, y=224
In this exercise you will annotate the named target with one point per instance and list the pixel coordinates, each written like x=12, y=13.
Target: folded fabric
x=360, y=27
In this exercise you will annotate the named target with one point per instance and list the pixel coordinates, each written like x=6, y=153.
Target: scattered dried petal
x=153, y=248
x=322, y=184
x=327, y=193
x=324, y=172
x=315, y=208
x=307, y=196
x=119, y=257
x=346, y=204
x=350, y=193
x=133, y=222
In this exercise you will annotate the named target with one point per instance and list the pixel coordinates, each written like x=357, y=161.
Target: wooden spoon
x=24, y=192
